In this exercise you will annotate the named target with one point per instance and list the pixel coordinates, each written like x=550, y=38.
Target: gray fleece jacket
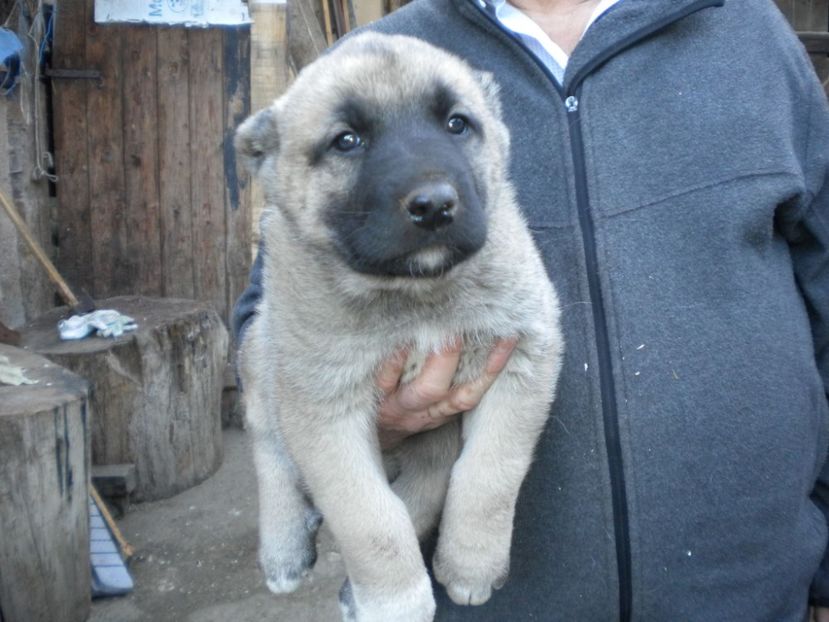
x=677, y=188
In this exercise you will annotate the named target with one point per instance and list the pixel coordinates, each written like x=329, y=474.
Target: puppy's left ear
x=256, y=138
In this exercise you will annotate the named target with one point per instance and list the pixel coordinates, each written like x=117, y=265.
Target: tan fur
x=309, y=358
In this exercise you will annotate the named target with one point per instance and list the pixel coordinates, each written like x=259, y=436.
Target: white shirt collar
x=518, y=22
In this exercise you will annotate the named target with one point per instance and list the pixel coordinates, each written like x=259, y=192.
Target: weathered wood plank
x=11, y=291
x=142, y=216
x=70, y=132
x=368, y=11
x=44, y=513
x=268, y=77
x=176, y=215
x=207, y=192
x=107, y=201
x=237, y=104
x=306, y=40
x=28, y=187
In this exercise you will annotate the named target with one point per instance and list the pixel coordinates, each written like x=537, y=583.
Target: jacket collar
x=626, y=24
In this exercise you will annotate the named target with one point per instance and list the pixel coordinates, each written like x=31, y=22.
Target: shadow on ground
x=196, y=557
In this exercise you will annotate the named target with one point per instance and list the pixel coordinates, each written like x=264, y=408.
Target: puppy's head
x=386, y=153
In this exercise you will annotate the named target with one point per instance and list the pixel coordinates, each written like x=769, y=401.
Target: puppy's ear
x=256, y=138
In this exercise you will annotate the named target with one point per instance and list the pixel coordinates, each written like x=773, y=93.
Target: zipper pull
x=572, y=104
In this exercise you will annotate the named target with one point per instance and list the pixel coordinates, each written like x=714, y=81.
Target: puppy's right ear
x=256, y=138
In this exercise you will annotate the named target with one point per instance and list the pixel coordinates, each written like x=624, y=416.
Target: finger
x=821, y=614
x=442, y=411
x=465, y=397
x=391, y=370
x=434, y=380
x=499, y=355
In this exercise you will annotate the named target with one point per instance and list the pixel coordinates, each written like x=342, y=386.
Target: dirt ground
x=196, y=557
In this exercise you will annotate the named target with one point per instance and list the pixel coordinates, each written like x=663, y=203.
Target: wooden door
x=149, y=198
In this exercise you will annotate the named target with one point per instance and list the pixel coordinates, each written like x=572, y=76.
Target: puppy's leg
x=426, y=461
x=287, y=522
x=472, y=555
x=339, y=458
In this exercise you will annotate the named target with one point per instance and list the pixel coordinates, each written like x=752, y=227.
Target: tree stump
x=44, y=503
x=156, y=392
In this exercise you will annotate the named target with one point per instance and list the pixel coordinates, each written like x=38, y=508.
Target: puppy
x=391, y=224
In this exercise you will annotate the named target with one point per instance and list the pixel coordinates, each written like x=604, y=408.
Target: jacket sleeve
x=813, y=277
x=245, y=307
x=809, y=246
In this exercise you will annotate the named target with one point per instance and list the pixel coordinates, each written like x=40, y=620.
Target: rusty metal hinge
x=75, y=74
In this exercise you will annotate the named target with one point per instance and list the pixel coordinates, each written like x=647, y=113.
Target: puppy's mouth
x=427, y=263
x=433, y=261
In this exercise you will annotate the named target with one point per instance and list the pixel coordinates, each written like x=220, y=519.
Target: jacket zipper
x=607, y=384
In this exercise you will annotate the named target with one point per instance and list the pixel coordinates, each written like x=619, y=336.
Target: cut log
x=156, y=392
x=44, y=504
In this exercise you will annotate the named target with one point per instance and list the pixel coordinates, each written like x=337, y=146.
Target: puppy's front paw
x=470, y=573
x=413, y=605
x=286, y=560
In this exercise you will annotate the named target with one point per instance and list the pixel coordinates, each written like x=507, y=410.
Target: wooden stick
x=126, y=549
x=346, y=16
x=326, y=15
x=63, y=289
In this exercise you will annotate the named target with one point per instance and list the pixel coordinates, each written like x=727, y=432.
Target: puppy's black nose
x=432, y=205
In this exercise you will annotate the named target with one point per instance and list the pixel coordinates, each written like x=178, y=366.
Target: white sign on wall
x=173, y=12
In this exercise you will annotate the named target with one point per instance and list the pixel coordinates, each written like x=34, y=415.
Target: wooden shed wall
x=149, y=199
x=25, y=291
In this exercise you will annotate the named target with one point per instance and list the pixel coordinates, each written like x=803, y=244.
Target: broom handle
x=127, y=550
x=54, y=275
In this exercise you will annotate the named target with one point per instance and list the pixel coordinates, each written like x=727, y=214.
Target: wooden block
x=44, y=513
x=114, y=480
x=156, y=393
x=9, y=336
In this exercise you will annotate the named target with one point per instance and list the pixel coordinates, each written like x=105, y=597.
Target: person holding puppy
x=671, y=159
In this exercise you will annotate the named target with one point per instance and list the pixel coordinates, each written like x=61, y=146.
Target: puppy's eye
x=347, y=141
x=457, y=124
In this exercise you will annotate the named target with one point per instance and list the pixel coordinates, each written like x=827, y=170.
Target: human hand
x=819, y=614
x=429, y=401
